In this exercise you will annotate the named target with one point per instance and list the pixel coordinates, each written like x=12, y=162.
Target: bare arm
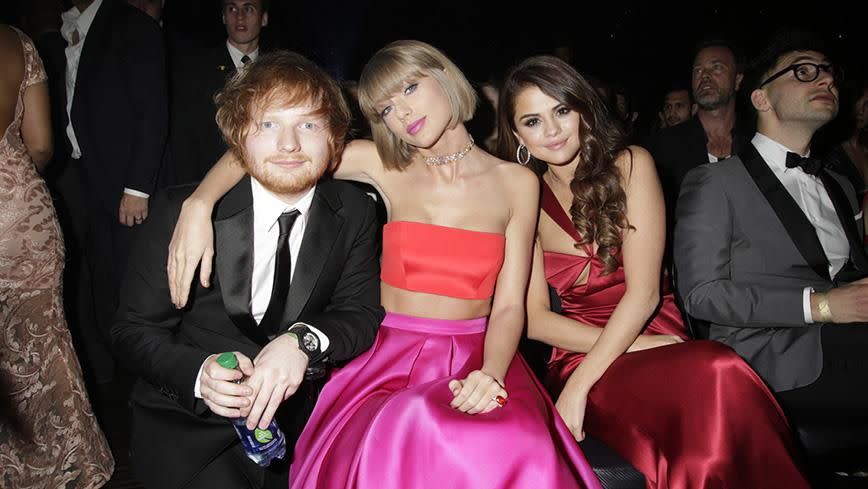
x=193, y=238
x=480, y=390
x=36, y=125
x=359, y=162
x=550, y=327
x=642, y=254
x=506, y=322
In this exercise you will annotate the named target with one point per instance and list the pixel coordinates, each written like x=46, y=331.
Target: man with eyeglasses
x=767, y=248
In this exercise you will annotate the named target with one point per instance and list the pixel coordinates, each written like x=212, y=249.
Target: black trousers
x=97, y=248
x=233, y=469
x=841, y=391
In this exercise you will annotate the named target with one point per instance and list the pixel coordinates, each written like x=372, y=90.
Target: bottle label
x=257, y=440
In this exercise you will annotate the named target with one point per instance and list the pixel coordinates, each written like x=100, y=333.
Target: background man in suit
x=711, y=134
x=196, y=141
x=286, y=120
x=767, y=248
x=116, y=128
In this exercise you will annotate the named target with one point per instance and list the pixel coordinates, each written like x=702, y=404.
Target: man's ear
x=265, y=19
x=738, y=79
x=760, y=101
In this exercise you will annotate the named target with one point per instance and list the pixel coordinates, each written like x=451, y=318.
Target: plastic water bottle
x=261, y=446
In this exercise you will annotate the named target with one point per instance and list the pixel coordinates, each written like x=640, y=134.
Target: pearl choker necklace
x=445, y=159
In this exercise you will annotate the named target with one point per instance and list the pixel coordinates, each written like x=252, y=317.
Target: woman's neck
x=452, y=141
x=562, y=175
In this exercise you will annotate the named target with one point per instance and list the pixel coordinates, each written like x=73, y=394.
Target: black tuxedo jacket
x=196, y=142
x=335, y=288
x=120, y=106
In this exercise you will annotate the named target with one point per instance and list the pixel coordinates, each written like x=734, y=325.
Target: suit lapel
x=223, y=63
x=798, y=227
x=322, y=229
x=94, y=45
x=233, y=256
x=845, y=215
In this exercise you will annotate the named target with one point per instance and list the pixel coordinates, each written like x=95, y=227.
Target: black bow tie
x=811, y=166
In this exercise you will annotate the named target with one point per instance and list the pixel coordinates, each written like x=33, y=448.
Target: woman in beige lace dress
x=49, y=437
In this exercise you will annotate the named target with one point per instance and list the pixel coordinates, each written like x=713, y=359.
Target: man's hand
x=279, y=371
x=133, y=210
x=848, y=303
x=219, y=390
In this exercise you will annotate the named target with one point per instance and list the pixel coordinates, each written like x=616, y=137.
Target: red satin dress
x=690, y=415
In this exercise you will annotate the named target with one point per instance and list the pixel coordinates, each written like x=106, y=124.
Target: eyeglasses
x=806, y=72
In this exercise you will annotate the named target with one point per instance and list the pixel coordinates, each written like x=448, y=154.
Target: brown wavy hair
x=280, y=79
x=599, y=207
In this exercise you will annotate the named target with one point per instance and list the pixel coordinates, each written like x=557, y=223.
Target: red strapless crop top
x=441, y=260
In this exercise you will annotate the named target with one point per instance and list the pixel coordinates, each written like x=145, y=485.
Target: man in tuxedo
x=295, y=285
x=712, y=133
x=196, y=143
x=116, y=111
x=767, y=249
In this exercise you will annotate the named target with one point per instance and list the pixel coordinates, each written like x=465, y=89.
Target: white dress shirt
x=266, y=209
x=75, y=21
x=811, y=196
x=236, y=54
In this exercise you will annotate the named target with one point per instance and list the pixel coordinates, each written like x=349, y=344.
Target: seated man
x=767, y=249
x=294, y=253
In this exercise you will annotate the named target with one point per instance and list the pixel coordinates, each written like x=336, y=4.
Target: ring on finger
x=500, y=400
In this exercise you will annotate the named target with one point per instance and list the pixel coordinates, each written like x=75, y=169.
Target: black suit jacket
x=120, y=106
x=679, y=149
x=335, y=288
x=196, y=142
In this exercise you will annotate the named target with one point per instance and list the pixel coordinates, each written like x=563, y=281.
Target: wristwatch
x=308, y=341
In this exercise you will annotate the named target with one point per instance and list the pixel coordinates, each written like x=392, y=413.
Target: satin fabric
x=690, y=415
x=384, y=420
x=441, y=260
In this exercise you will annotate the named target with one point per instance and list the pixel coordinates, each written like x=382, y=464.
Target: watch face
x=311, y=342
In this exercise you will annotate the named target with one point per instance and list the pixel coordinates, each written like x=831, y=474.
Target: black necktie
x=282, y=267
x=811, y=166
x=245, y=59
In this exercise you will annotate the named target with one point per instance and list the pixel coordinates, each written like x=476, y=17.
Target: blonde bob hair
x=388, y=70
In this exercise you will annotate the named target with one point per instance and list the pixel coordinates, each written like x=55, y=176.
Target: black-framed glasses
x=806, y=72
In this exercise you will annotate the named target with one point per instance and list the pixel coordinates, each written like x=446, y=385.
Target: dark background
x=642, y=46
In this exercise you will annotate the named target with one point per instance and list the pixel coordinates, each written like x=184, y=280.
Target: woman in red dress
x=687, y=414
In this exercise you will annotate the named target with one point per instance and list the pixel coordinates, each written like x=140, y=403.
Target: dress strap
x=552, y=207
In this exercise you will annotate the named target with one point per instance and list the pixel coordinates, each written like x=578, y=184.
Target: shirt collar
x=267, y=207
x=74, y=19
x=773, y=152
x=236, y=54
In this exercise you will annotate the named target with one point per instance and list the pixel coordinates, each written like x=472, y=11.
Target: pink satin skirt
x=384, y=420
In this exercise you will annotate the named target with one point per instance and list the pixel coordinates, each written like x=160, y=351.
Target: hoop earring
x=518, y=158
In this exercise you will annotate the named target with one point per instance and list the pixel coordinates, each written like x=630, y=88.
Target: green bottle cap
x=227, y=360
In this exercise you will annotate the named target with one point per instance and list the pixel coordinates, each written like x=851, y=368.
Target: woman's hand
x=571, y=406
x=477, y=393
x=648, y=341
x=192, y=241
